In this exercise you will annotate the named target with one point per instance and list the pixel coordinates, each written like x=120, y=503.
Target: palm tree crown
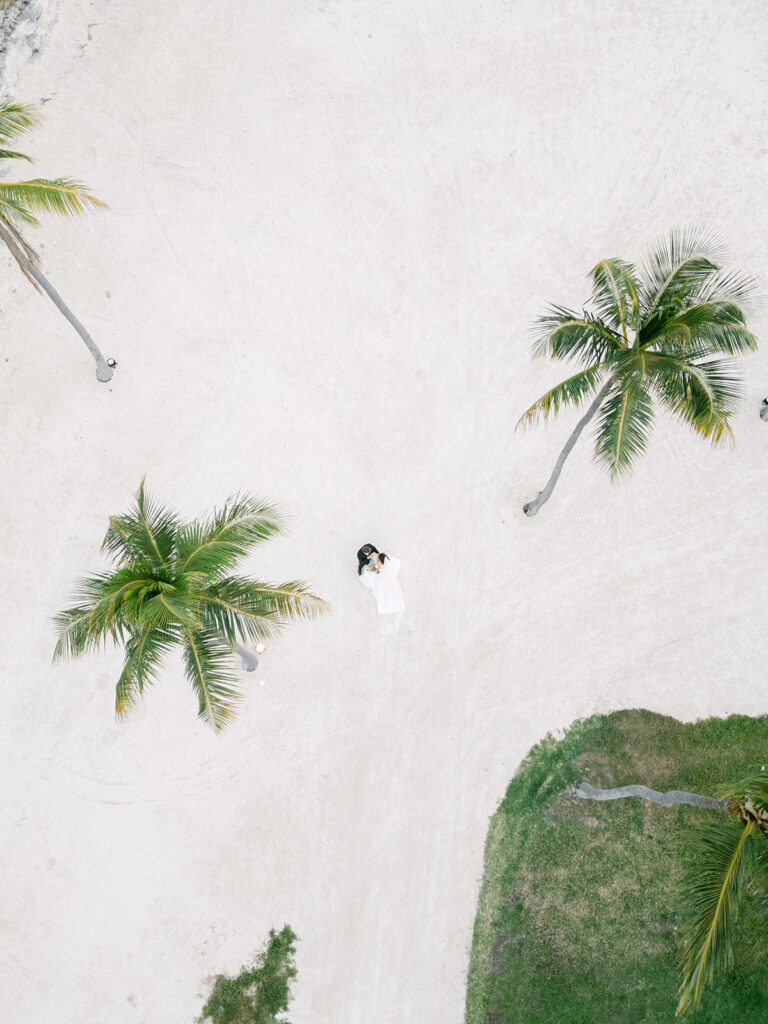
x=733, y=857
x=173, y=585
x=665, y=332
x=21, y=200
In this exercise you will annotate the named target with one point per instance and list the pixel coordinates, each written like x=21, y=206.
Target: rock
x=18, y=22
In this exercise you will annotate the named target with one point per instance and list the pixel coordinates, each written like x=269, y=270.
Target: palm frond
x=754, y=785
x=116, y=589
x=624, y=423
x=148, y=531
x=58, y=195
x=243, y=609
x=569, y=393
x=708, y=327
x=717, y=326
x=91, y=594
x=169, y=608
x=703, y=394
x=76, y=633
x=102, y=600
x=124, y=539
x=143, y=654
x=207, y=665
x=13, y=154
x=14, y=212
x=729, y=286
x=680, y=265
x=17, y=118
x=615, y=296
x=714, y=890
x=214, y=546
x=141, y=595
x=563, y=334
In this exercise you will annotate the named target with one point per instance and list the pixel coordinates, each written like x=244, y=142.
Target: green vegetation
x=173, y=587
x=732, y=867
x=21, y=200
x=259, y=992
x=581, y=903
x=653, y=334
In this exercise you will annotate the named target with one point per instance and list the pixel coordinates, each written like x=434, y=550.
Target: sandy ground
x=331, y=224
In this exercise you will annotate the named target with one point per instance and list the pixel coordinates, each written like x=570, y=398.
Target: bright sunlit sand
x=330, y=228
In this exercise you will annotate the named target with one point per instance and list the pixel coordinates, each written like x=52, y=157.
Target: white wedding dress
x=386, y=591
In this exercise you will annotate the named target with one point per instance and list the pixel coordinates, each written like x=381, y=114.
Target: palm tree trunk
x=532, y=507
x=673, y=796
x=103, y=372
x=250, y=661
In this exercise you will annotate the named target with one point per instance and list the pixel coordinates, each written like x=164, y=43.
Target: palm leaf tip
x=126, y=699
x=147, y=532
x=703, y=393
x=62, y=196
x=77, y=632
x=682, y=265
x=245, y=610
x=242, y=523
x=308, y=605
x=297, y=600
x=563, y=334
x=12, y=154
x=734, y=286
x=709, y=326
x=681, y=245
x=569, y=393
x=17, y=118
x=615, y=295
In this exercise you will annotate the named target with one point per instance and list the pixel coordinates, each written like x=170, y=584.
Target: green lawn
x=580, y=902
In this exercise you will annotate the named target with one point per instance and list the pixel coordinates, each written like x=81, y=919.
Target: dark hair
x=364, y=556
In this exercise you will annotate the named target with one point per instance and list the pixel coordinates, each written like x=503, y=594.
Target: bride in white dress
x=378, y=573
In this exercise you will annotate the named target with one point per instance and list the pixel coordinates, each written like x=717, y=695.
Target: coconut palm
x=656, y=334
x=726, y=866
x=20, y=200
x=173, y=586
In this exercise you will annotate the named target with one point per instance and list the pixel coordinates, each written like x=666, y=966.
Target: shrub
x=260, y=991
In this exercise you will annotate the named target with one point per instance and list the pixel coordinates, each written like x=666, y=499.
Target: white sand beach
x=331, y=225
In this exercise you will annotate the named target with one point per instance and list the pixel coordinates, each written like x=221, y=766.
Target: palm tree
x=173, y=586
x=653, y=334
x=729, y=869
x=20, y=200
x=726, y=869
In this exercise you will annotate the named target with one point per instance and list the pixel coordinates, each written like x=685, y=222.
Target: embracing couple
x=378, y=573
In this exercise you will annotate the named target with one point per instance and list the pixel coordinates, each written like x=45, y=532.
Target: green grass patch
x=261, y=992
x=581, y=901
